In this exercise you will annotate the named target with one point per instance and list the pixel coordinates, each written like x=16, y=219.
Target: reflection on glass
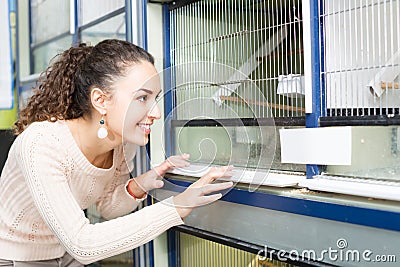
x=375, y=154
x=252, y=147
x=242, y=146
x=112, y=28
x=43, y=54
x=48, y=19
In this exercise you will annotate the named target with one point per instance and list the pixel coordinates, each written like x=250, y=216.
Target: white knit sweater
x=46, y=184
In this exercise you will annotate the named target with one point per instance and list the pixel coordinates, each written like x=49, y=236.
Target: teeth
x=145, y=126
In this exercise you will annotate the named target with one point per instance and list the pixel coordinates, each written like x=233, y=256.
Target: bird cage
x=249, y=55
x=237, y=64
x=360, y=56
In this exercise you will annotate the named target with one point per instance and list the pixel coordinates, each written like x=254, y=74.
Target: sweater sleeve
x=43, y=162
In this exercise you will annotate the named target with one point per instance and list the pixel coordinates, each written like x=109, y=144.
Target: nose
x=155, y=112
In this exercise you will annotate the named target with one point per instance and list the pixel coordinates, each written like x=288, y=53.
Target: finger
x=222, y=171
x=169, y=162
x=228, y=174
x=159, y=170
x=209, y=177
x=158, y=184
x=204, y=200
x=216, y=173
x=180, y=163
x=211, y=188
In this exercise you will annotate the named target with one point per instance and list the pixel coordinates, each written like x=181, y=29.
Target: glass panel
x=375, y=154
x=242, y=146
x=102, y=7
x=111, y=28
x=43, y=54
x=45, y=13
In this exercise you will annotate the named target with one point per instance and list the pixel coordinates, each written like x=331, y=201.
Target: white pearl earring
x=102, y=131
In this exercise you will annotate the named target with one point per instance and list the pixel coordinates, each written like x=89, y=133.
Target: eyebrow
x=146, y=90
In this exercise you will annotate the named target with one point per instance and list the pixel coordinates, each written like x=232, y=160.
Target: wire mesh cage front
x=241, y=58
x=238, y=64
x=360, y=47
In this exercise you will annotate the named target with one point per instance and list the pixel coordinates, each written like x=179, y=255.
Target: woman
x=71, y=152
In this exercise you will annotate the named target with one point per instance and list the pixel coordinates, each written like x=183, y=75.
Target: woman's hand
x=198, y=193
x=177, y=161
x=153, y=178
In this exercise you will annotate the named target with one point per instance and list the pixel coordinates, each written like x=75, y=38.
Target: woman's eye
x=142, y=98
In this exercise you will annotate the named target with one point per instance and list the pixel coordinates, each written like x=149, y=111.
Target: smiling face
x=133, y=108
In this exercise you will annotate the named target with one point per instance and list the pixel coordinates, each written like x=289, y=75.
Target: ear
x=98, y=100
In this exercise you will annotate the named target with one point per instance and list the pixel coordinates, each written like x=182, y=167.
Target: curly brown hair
x=63, y=89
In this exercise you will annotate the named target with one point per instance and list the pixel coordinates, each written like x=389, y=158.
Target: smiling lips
x=145, y=127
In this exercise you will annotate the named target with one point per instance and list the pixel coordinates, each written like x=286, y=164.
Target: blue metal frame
x=144, y=25
x=17, y=57
x=322, y=59
x=168, y=94
x=128, y=21
x=172, y=248
x=151, y=243
x=312, y=119
x=173, y=253
x=76, y=35
x=388, y=220
x=31, y=66
x=11, y=8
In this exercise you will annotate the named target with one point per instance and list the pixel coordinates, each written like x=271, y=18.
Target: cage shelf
x=262, y=103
